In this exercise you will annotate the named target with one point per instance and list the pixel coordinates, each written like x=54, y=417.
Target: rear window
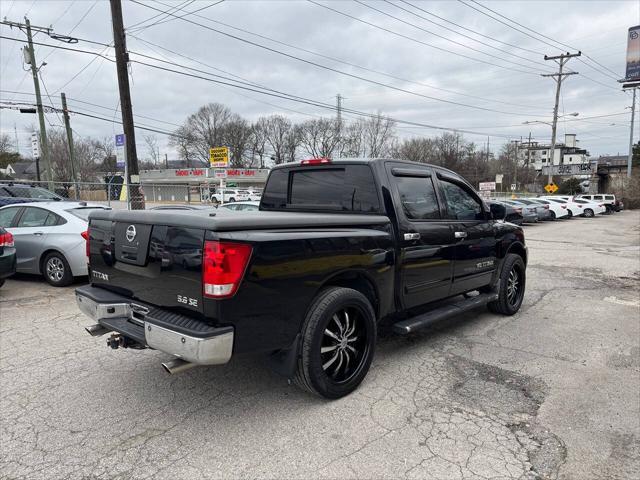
x=348, y=188
x=31, y=192
x=83, y=213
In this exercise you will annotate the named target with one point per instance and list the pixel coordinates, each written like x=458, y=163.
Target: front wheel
x=338, y=343
x=56, y=270
x=588, y=213
x=512, y=284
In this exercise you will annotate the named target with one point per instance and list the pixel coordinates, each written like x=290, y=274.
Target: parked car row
x=552, y=207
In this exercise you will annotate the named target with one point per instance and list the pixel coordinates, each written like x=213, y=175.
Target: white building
x=567, y=153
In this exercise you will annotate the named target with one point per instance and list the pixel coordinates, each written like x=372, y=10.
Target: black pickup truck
x=337, y=248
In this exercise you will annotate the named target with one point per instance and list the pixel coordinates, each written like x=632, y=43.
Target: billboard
x=633, y=54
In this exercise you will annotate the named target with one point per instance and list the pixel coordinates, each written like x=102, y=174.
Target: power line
x=556, y=42
x=351, y=64
x=448, y=39
x=165, y=20
x=335, y=70
x=406, y=37
x=468, y=29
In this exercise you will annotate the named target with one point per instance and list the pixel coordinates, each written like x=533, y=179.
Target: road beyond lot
x=552, y=392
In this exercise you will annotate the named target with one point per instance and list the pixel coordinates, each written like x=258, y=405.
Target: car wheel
x=232, y=199
x=338, y=343
x=512, y=284
x=588, y=213
x=552, y=215
x=570, y=213
x=56, y=270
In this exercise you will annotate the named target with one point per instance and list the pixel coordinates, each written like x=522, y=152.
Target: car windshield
x=83, y=212
x=32, y=192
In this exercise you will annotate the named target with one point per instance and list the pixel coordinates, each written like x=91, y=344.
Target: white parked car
x=241, y=206
x=590, y=208
x=556, y=210
x=255, y=194
x=577, y=209
x=50, y=238
x=607, y=199
x=230, y=195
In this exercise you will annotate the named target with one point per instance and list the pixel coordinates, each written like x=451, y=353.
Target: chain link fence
x=115, y=195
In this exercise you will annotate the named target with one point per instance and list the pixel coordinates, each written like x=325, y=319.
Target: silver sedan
x=49, y=238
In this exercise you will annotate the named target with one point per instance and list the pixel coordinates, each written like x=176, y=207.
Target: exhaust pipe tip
x=177, y=366
x=96, y=330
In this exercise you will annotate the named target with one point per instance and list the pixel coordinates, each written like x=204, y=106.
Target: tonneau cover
x=229, y=221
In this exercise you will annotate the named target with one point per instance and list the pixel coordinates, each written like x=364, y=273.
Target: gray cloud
x=597, y=28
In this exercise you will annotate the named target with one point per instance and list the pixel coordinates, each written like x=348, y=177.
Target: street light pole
x=558, y=77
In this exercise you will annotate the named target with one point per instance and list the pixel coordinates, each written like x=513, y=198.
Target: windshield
x=83, y=212
x=32, y=192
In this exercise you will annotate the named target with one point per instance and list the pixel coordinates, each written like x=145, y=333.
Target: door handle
x=460, y=234
x=39, y=234
x=412, y=236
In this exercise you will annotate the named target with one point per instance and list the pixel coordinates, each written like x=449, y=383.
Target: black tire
x=339, y=320
x=56, y=270
x=588, y=213
x=1, y=282
x=232, y=199
x=570, y=213
x=509, y=303
x=552, y=215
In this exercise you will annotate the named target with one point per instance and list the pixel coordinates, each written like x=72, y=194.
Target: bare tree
x=237, y=136
x=6, y=145
x=203, y=130
x=319, y=137
x=276, y=128
x=421, y=150
x=372, y=137
x=153, y=151
x=87, y=155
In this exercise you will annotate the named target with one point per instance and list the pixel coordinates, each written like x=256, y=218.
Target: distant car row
x=535, y=209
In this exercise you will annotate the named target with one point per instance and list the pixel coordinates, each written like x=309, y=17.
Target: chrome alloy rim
x=55, y=269
x=343, y=344
x=513, y=287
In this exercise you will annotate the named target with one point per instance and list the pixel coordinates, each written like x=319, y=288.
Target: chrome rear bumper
x=203, y=346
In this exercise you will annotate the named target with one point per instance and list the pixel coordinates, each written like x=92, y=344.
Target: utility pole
x=561, y=60
x=529, y=151
x=339, y=121
x=44, y=153
x=122, y=60
x=15, y=132
x=65, y=114
x=633, y=116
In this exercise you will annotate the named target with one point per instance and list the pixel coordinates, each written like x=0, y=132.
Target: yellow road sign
x=551, y=188
x=219, y=157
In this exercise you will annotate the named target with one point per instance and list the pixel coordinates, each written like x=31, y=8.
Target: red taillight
x=546, y=207
x=563, y=206
x=223, y=266
x=315, y=161
x=6, y=240
x=518, y=210
x=85, y=235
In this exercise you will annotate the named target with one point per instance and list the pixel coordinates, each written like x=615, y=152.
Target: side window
x=35, y=217
x=7, y=215
x=418, y=198
x=597, y=197
x=460, y=204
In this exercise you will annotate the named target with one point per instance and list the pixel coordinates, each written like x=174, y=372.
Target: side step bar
x=412, y=324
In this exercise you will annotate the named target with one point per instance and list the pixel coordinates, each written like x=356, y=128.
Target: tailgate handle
x=412, y=236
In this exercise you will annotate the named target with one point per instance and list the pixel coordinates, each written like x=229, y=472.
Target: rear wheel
x=232, y=199
x=338, y=343
x=553, y=215
x=56, y=270
x=570, y=213
x=588, y=213
x=512, y=284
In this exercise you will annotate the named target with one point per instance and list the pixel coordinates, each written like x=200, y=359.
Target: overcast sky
x=492, y=82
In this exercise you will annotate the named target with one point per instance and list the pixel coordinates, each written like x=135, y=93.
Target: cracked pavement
x=552, y=392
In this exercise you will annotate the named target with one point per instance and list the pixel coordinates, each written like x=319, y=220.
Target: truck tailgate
x=158, y=264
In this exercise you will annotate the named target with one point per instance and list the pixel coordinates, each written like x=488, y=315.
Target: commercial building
x=567, y=153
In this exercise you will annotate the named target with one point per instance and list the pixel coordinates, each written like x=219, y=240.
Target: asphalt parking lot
x=552, y=392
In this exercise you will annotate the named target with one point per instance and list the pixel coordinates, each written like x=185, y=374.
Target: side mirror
x=498, y=211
